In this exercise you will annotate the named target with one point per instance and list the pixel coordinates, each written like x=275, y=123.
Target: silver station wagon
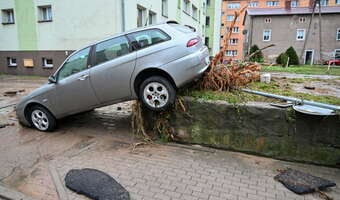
x=148, y=63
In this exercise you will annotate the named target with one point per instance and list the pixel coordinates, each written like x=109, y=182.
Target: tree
x=258, y=57
x=279, y=59
x=284, y=59
x=293, y=57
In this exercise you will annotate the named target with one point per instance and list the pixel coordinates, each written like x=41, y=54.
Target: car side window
x=76, y=63
x=149, y=37
x=111, y=49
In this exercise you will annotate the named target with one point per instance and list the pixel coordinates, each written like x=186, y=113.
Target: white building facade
x=37, y=35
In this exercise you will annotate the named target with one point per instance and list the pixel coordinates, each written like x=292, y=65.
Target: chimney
x=288, y=4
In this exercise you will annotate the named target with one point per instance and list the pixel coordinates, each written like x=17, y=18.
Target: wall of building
x=212, y=31
x=284, y=31
x=260, y=4
x=78, y=23
x=8, y=33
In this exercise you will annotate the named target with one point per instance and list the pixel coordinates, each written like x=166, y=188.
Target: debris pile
x=223, y=77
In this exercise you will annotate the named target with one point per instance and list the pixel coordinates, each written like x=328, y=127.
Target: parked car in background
x=148, y=63
x=332, y=62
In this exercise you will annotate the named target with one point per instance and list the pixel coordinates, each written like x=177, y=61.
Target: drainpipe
x=123, y=15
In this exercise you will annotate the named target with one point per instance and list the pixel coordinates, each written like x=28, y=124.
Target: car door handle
x=83, y=77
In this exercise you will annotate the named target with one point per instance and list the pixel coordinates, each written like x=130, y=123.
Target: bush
x=258, y=57
x=278, y=59
x=293, y=57
x=284, y=59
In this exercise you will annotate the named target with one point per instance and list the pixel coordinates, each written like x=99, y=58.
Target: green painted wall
x=26, y=23
x=209, y=31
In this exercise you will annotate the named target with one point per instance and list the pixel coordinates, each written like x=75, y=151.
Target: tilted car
x=148, y=63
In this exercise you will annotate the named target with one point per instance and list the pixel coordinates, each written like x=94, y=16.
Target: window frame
x=253, y=4
x=93, y=62
x=10, y=62
x=186, y=6
x=270, y=35
x=234, y=5
x=165, y=9
x=268, y=20
x=272, y=2
x=143, y=17
x=294, y=3
x=193, y=7
x=324, y=2
x=88, y=63
x=8, y=16
x=45, y=64
x=41, y=13
x=337, y=35
x=132, y=39
x=297, y=35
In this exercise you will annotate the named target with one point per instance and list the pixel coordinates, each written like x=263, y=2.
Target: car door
x=114, y=62
x=73, y=88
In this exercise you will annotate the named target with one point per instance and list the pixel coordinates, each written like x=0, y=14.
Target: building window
x=268, y=20
x=235, y=29
x=11, y=62
x=231, y=53
x=267, y=34
x=294, y=3
x=233, y=41
x=186, y=6
x=7, y=16
x=300, y=34
x=253, y=4
x=47, y=62
x=208, y=2
x=207, y=21
x=234, y=5
x=337, y=1
x=324, y=2
x=152, y=18
x=272, y=3
x=141, y=12
x=45, y=13
x=338, y=34
x=194, y=12
x=302, y=19
x=206, y=41
x=231, y=18
x=337, y=54
x=165, y=8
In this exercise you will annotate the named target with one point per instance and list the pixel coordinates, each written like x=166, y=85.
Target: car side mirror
x=52, y=79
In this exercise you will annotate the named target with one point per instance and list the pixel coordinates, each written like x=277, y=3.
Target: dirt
x=25, y=152
x=325, y=85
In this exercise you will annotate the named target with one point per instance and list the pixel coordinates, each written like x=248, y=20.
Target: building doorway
x=309, y=57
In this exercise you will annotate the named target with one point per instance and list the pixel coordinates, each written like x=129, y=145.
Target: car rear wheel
x=157, y=93
x=41, y=118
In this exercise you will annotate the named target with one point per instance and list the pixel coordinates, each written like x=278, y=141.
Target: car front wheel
x=157, y=93
x=41, y=118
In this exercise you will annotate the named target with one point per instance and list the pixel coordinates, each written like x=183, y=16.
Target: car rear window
x=181, y=28
x=149, y=37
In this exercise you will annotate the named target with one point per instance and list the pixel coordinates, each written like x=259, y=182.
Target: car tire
x=157, y=93
x=41, y=119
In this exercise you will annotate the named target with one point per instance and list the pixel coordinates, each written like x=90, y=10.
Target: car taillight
x=192, y=42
